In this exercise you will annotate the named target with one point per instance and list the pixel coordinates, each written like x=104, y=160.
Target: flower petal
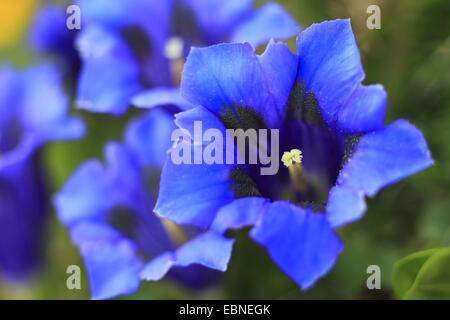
x=329, y=65
x=209, y=249
x=380, y=159
x=193, y=193
x=365, y=111
x=161, y=97
x=240, y=213
x=216, y=18
x=42, y=89
x=49, y=33
x=111, y=261
x=23, y=217
x=270, y=21
x=83, y=196
x=345, y=205
x=147, y=14
x=184, y=197
x=224, y=77
x=110, y=74
x=301, y=242
x=280, y=66
x=156, y=127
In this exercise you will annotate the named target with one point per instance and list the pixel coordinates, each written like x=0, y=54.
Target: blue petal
x=157, y=268
x=119, y=14
x=111, y=261
x=209, y=249
x=43, y=89
x=226, y=76
x=150, y=20
x=365, y=111
x=161, y=97
x=186, y=120
x=83, y=196
x=280, y=66
x=110, y=74
x=301, y=242
x=10, y=84
x=270, y=21
x=193, y=193
x=183, y=197
x=380, y=158
x=129, y=190
x=345, y=205
x=216, y=18
x=329, y=65
x=149, y=137
x=240, y=213
x=49, y=33
x=127, y=176
x=23, y=217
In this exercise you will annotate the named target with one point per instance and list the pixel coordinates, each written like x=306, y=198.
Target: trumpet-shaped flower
x=332, y=127
x=130, y=46
x=108, y=210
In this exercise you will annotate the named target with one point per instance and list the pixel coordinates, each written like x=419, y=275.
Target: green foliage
x=423, y=275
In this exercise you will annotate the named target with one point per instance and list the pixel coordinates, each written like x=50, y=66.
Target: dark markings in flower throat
x=141, y=46
x=349, y=148
x=124, y=220
x=243, y=186
x=243, y=118
x=139, y=41
x=315, y=207
x=304, y=106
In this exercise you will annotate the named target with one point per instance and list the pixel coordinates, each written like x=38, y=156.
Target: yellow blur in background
x=15, y=16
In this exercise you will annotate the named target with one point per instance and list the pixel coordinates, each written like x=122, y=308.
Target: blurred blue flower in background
x=318, y=103
x=33, y=112
x=129, y=46
x=108, y=210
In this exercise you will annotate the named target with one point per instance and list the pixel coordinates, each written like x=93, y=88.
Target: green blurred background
x=410, y=56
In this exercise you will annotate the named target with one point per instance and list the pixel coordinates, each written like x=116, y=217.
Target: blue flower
x=130, y=46
x=317, y=101
x=33, y=111
x=108, y=210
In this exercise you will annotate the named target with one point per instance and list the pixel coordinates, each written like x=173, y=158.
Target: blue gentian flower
x=108, y=210
x=335, y=125
x=130, y=46
x=33, y=112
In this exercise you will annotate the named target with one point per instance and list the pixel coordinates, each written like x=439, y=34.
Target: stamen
x=293, y=161
x=173, y=51
x=175, y=232
x=174, y=48
x=291, y=157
